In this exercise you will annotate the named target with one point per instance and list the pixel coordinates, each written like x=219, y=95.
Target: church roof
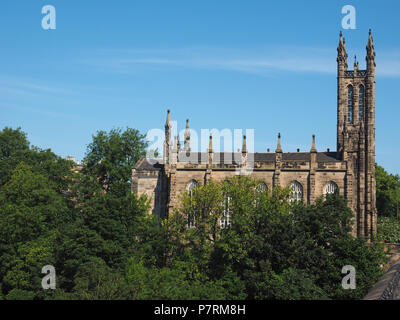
x=230, y=158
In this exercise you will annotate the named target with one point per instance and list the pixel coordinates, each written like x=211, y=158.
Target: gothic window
x=361, y=101
x=330, y=188
x=191, y=186
x=226, y=217
x=262, y=187
x=350, y=104
x=297, y=191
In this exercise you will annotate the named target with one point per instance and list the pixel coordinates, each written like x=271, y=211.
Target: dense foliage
x=389, y=229
x=387, y=193
x=104, y=244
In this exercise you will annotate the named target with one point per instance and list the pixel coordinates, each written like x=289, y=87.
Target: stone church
x=350, y=169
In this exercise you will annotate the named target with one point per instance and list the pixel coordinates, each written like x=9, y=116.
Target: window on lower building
x=297, y=191
x=330, y=188
x=191, y=186
x=226, y=217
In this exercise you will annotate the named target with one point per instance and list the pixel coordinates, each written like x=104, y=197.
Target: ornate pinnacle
x=341, y=49
x=278, y=147
x=178, y=143
x=167, y=123
x=370, y=48
x=313, y=147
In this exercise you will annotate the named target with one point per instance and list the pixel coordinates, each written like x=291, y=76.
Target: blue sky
x=263, y=65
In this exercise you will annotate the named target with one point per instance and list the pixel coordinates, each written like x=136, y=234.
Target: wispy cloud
x=29, y=86
x=37, y=110
x=261, y=61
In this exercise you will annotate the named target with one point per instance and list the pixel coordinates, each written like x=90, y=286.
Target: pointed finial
x=178, y=143
x=244, y=147
x=370, y=52
x=210, y=145
x=175, y=146
x=341, y=50
x=278, y=147
x=313, y=147
x=187, y=136
x=167, y=123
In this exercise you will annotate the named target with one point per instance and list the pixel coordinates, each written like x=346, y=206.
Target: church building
x=350, y=170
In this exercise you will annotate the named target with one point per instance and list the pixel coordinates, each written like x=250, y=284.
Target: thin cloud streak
x=262, y=61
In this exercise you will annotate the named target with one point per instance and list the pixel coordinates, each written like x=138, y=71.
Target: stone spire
x=313, y=147
x=278, y=147
x=355, y=63
x=175, y=145
x=210, y=150
x=187, y=137
x=342, y=54
x=178, y=143
x=167, y=140
x=370, y=58
x=244, y=147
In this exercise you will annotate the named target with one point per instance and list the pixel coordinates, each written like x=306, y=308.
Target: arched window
x=297, y=191
x=262, y=187
x=330, y=188
x=226, y=217
x=190, y=187
x=361, y=102
x=350, y=102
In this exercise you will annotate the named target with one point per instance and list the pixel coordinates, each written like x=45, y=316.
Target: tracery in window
x=297, y=191
x=330, y=188
x=350, y=104
x=361, y=102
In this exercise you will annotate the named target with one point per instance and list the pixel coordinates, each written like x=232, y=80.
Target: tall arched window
x=350, y=105
x=297, y=191
x=330, y=188
x=262, y=187
x=361, y=101
x=190, y=187
x=226, y=217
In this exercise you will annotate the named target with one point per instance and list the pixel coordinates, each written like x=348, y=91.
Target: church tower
x=356, y=135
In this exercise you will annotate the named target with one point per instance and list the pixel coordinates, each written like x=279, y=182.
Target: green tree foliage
x=12, y=141
x=272, y=243
x=389, y=229
x=111, y=156
x=104, y=244
x=30, y=209
x=387, y=192
x=50, y=215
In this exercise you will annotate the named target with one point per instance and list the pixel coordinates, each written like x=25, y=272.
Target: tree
x=30, y=210
x=12, y=141
x=111, y=156
x=387, y=192
x=272, y=243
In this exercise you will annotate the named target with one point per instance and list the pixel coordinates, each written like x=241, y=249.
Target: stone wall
x=388, y=287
